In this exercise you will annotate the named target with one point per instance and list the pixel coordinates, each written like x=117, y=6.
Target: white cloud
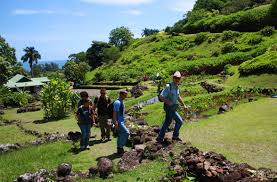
x=182, y=5
x=118, y=2
x=132, y=12
x=46, y=12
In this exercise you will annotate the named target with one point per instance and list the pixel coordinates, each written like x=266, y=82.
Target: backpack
x=110, y=109
x=162, y=90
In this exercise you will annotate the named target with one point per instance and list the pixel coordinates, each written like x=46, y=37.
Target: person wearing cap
x=118, y=118
x=170, y=95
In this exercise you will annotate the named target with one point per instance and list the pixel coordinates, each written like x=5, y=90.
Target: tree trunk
x=31, y=66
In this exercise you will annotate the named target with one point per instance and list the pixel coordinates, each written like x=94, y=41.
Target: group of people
x=110, y=114
x=106, y=114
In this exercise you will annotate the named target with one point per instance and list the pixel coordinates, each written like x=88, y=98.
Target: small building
x=20, y=82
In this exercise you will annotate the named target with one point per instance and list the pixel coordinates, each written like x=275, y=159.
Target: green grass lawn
x=12, y=134
x=264, y=80
x=149, y=171
x=246, y=134
x=11, y=114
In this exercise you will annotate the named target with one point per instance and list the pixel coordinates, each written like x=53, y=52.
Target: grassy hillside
x=203, y=53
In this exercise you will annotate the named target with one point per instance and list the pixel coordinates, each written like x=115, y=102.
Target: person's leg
x=122, y=137
x=87, y=135
x=168, y=120
x=108, y=128
x=82, y=142
x=179, y=123
x=102, y=126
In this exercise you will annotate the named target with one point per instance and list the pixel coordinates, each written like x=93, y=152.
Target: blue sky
x=57, y=28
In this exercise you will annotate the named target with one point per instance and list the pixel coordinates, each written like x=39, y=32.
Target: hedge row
x=266, y=63
x=249, y=20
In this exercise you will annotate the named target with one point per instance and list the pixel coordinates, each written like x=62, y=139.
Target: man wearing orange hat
x=170, y=95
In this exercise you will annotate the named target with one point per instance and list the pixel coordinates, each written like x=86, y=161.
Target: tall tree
x=79, y=57
x=148, y=31
x=120, y=37
x=75, y=71
x=95, y=54
x=31, y=55
x=8, y=63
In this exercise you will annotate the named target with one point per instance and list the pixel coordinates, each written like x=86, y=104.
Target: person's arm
x=115, y=119
x=163, y=96
x=95, y=103
x=115, y=113
x=181, y=101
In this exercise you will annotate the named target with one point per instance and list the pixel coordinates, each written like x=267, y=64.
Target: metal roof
x=19, y=81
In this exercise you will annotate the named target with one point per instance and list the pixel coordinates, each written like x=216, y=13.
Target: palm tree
x=31, y=55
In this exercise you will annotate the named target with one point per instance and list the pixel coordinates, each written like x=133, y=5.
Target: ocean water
x=59, y=62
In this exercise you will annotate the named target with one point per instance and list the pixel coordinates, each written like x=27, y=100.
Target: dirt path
x=91, y=92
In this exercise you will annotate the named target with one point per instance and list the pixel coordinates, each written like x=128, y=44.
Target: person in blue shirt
x=170, y=95
x=118, y=118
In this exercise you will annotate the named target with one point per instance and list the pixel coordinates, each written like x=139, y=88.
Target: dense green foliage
x=9, y=98
x=95, y=54
x=42, y=69
x=246, y=20
x=120, y=37
x=266, y=63
x=57, y=99
x=31, y=56
x=148, y=31
x=8, y=64
x=75, y=72
x=206, y=53
x=79, y=57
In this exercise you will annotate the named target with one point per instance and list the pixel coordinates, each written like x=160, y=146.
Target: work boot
x=120, y=151
x=177, y=139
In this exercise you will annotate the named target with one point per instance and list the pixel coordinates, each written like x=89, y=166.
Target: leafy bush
x=248, y=20
x=228, y=47
x=215, y=53
x=200, y=37
x=229, y=35
x=267, y=31
x=14, y=99
x=266, y=63
x=57, y=99
x=255, y=39
x=229, y=69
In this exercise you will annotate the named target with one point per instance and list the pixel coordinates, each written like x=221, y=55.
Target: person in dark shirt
x=85, y=121
x=101, y=104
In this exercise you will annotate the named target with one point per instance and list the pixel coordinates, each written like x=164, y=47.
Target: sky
x=58, y=28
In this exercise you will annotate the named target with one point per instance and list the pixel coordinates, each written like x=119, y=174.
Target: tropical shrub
x=248, y=20
x=200, y=37
x=229, y=69
x=229, y=35
x=255, y=39
x=267, y=31
x=57, y=99
x=228, y=47
x=14, y=99
x=266, y=63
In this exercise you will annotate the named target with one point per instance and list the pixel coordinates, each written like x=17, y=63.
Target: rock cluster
x=5, y=122
x=213, y=167
x=8, y=147
x=224, y=108
x=211, y=87
x=62, y=174
x=28, y=109
x=137, y=90
x=40, y=176
x=104, y=168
